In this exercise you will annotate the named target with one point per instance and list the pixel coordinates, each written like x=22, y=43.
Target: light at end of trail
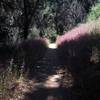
x=52, y=45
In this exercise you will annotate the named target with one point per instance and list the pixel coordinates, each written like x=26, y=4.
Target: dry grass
x=7, y=82
x=13, y=87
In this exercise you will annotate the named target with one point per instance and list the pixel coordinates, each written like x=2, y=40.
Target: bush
x=94, y=13
x=29, y=53
x=76, y=47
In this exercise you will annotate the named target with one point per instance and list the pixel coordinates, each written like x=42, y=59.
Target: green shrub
x=94, y=12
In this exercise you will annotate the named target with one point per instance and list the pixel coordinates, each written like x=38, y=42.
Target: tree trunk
x=26, y=21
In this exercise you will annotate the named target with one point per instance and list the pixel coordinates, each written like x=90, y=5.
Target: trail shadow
x=51, y=94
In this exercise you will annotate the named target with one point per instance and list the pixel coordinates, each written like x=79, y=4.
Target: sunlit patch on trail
x=53, y=81
x=62, y=78
x=59, y=79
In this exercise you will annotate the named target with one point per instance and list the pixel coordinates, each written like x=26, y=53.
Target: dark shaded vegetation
x=6, y=54
x=82, y=58
x=28, y=53
x=23, y=56
x=79, y=52
x=89, y=85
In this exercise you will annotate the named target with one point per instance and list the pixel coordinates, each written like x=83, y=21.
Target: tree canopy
x=45, y=18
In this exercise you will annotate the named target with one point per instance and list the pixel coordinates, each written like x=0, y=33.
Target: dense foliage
x=44, y=18
x=81, y=55
x=94, y=12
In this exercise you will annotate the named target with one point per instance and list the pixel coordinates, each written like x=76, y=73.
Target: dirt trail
x=52, y=79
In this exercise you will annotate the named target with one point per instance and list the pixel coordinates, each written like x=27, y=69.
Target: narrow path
x=50, y=79
x=47, y=65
